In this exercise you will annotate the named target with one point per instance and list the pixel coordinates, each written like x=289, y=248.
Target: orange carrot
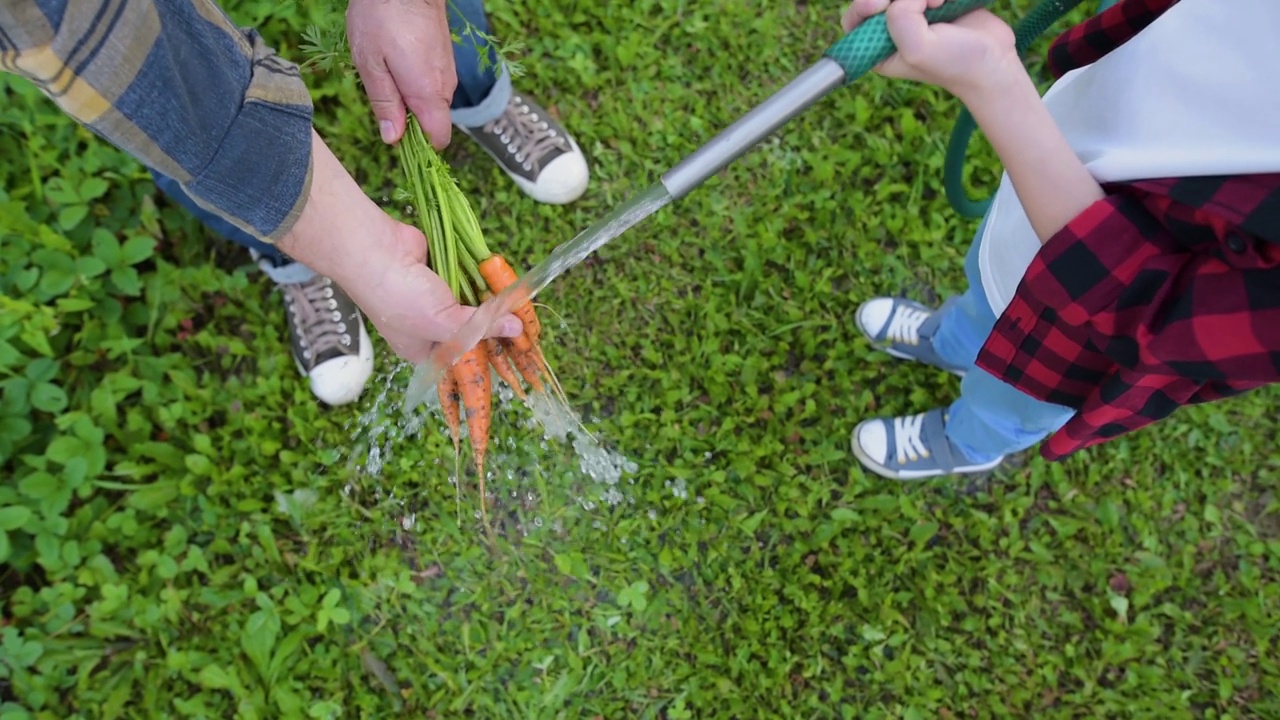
x=499, y=275
x=472, y=372
x=448, y=391
x=526, y=362
x=502, y=364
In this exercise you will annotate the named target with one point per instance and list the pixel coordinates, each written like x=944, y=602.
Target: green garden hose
x=869, y=44
x=1040, y=19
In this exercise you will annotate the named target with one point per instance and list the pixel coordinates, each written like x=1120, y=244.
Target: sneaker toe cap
x=873, y=316
x=872, y=438
x=341, y=380
x=563, y=180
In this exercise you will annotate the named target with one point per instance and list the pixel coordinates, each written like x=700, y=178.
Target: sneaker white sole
x=891, y=474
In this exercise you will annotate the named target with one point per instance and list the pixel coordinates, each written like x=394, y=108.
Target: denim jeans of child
x=481, y=96
x=990, y=418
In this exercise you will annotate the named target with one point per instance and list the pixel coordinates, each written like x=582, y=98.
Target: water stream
x=564, y=257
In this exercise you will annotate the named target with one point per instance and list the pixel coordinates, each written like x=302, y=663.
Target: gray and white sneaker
x=904, y=329
x=912, y=447
x=535, y=151
x=329, y=342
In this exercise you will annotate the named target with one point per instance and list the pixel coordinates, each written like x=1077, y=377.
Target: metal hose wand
x=851, y=57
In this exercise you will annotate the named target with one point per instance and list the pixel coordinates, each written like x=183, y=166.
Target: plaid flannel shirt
x=1163, y=294
x=178, y=86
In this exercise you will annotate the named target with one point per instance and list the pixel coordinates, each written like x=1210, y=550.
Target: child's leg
x=988, y=421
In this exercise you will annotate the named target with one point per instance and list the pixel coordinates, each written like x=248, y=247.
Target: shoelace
x=528, y=137
x=907, y=435
x=904, y=326
x=316, y=317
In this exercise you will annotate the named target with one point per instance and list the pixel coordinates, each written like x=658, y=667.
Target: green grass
x=190, y=535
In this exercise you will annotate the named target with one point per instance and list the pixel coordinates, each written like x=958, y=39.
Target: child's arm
x=1051, y=182
x=974, y=58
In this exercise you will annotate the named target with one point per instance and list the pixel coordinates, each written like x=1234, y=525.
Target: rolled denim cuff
x=489, y=109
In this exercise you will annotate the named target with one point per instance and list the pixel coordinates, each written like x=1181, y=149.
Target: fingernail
x=510, y=327
x=388, y=131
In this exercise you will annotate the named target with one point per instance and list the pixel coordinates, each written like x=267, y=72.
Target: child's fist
x=961, y=56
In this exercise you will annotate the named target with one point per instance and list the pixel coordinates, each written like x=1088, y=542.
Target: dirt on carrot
x=501, y=361
x=476, y=391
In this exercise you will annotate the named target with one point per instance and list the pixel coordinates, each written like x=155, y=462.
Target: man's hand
x=378, y=261
x=404, y=54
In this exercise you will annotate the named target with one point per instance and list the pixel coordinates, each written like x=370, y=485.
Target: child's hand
x=963, y=56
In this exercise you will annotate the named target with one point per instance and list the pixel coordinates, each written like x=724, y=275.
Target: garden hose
x=1041, y=18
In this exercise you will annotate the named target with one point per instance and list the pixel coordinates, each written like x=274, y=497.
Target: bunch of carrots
x=456, y=251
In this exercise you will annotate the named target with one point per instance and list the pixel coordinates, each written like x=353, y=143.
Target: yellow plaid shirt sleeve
x=177, y=85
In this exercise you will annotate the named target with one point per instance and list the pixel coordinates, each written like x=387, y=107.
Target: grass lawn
x=185, y=532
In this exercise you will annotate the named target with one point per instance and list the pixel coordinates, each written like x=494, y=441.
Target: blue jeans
x=990, y=418
x=481, y=96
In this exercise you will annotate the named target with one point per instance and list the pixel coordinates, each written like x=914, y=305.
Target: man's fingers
x=384, y=98
x=433, y=115
x=427, y=85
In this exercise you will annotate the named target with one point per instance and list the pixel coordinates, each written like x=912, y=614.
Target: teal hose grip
x=869, y=44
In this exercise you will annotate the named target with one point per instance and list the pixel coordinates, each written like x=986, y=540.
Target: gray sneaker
x=330, y=344
x=904, y=329
x=913, y=447
x=535, y=151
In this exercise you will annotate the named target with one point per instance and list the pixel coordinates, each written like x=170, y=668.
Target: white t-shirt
x=1195, y=93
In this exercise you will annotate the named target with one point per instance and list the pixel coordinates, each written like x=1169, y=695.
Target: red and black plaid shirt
x=1163, y=294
